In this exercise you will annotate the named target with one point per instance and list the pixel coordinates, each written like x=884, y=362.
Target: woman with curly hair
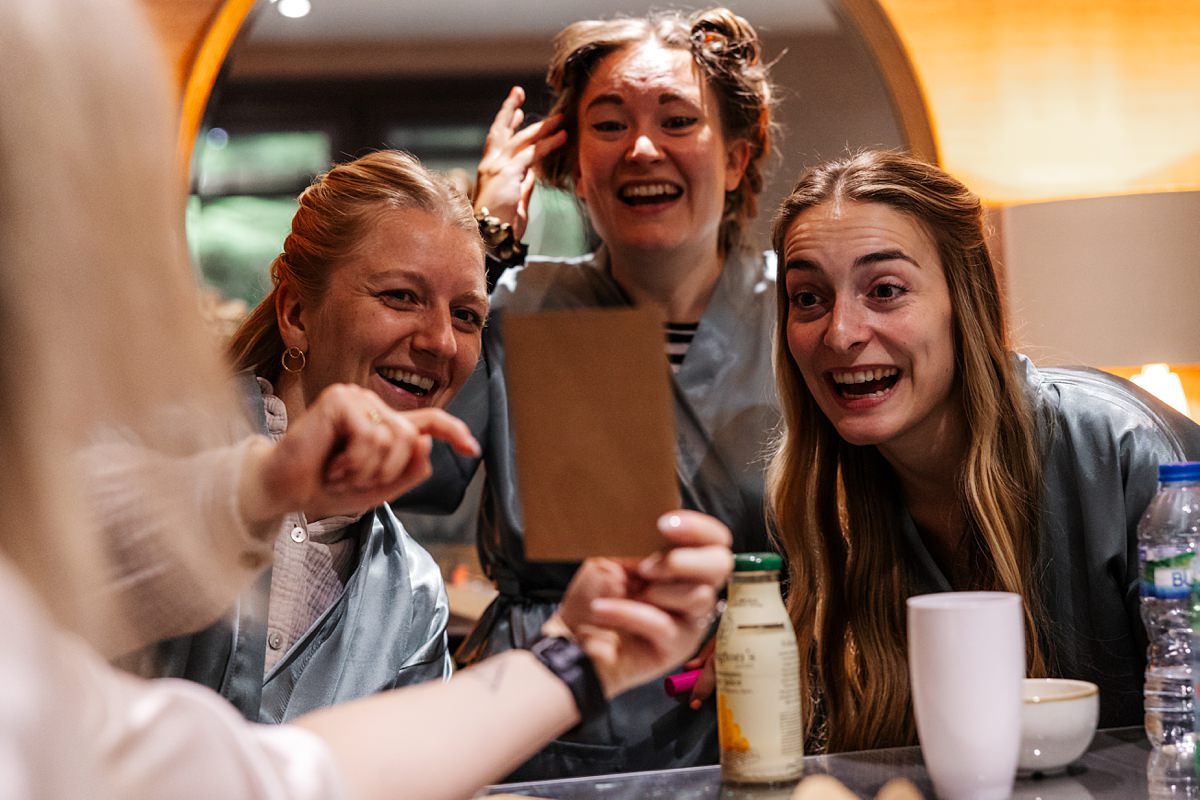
x=660, y=128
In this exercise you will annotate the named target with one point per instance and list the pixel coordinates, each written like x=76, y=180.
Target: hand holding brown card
x=591, y=411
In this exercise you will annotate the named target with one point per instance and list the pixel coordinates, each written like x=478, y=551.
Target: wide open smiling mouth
x=648, y=193
x=410, y=382
x=856, y=384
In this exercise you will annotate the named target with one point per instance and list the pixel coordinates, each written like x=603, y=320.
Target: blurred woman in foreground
x=921, y=454
x=104, y=355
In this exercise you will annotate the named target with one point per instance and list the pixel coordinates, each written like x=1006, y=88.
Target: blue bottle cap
x=1180, y=471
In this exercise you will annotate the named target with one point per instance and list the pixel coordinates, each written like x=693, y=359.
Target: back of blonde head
x=98, y=309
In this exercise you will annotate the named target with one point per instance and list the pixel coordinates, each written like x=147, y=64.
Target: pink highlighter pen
x=680, y=682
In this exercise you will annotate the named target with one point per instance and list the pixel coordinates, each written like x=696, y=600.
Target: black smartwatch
x=573, y=667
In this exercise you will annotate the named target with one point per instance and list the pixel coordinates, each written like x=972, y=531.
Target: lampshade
x=1104, y=281
x=1047, y=99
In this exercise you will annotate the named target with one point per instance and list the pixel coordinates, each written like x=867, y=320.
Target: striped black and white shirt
x=679, y=339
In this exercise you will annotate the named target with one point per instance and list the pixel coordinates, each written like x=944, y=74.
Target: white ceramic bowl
x=1058, y=720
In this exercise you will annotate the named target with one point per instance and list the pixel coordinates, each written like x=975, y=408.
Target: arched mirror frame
x=197, y=35
x=966, y=88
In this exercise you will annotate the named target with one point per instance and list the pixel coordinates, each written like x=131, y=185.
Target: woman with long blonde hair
x=920, y=454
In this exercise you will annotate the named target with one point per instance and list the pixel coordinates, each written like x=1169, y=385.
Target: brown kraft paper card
x=590, y=403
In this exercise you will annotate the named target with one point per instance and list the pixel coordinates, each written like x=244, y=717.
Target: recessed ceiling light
x=294, y=8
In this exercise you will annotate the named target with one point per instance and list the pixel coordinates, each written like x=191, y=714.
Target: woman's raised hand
x=504, y=180
x=347, y=453
x=637, y=620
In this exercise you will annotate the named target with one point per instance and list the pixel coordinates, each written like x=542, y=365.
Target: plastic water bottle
x=1171, y=775
x=1167, y=544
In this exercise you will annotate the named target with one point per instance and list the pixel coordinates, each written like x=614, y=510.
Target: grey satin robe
x=1101, y=441
x=725, y=413
x=387, y=629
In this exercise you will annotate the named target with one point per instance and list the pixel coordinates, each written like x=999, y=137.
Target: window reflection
x=242, y=202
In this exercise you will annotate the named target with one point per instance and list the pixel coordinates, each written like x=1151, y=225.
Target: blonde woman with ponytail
x=920, y=454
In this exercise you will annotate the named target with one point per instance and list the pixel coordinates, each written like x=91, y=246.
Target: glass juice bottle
x=758, y=678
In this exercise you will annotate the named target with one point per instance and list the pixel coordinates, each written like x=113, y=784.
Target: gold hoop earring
x=290, y=357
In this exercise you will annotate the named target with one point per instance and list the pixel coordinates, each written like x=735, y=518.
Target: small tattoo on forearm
x=490, y=673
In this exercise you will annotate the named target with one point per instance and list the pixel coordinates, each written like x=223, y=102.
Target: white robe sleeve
x=178, y=549
x=73, y=726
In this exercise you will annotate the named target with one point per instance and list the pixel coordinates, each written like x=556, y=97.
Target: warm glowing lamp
x=1077, y=122
x=1160, y=381
x=1033, y=100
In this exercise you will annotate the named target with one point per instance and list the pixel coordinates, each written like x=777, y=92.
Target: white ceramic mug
x=966, y=657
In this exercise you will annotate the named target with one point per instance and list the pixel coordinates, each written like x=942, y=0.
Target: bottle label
x=759, y=725
x=1195, y=659
x=759, y=722
x=1168, y=578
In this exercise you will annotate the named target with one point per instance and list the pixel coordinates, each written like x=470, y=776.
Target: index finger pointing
x=450, y=429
